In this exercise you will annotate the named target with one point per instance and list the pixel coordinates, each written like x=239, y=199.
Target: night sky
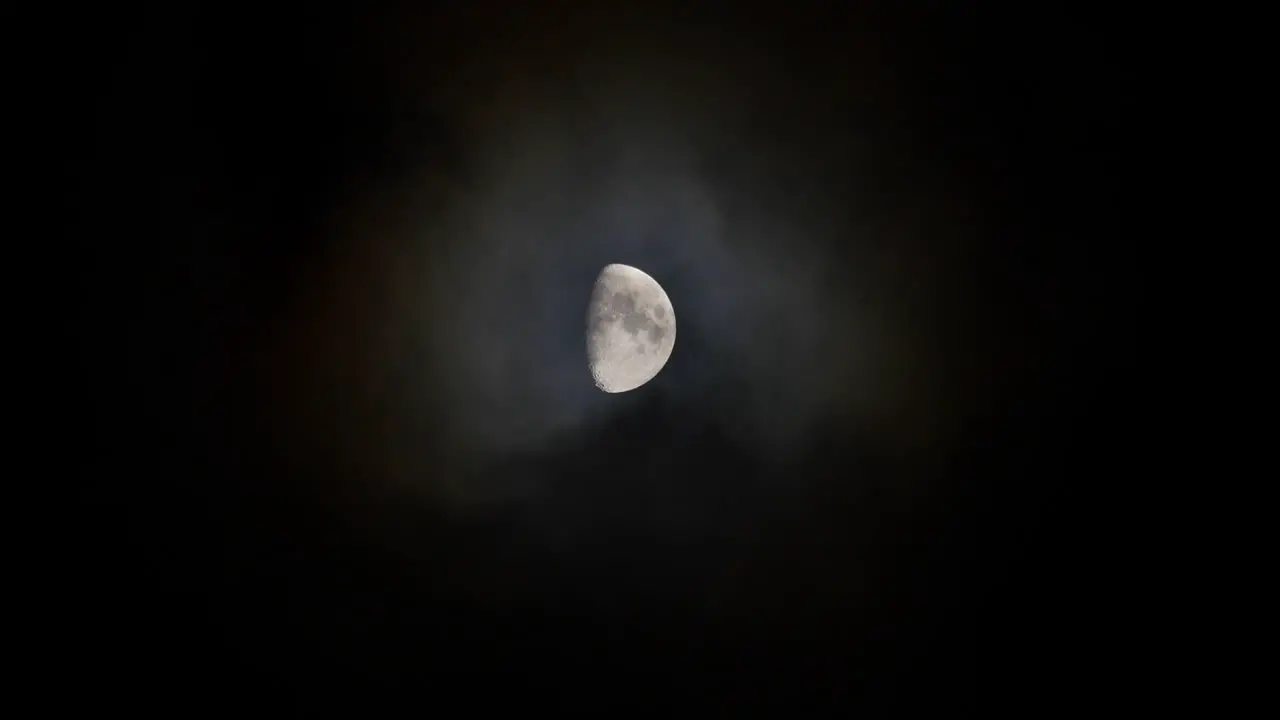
x=345, y=445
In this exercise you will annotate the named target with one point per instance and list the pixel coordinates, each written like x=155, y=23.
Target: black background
x=278, y=515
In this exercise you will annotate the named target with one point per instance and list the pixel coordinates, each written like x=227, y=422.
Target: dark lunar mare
x=636, y=322
x=625, y=306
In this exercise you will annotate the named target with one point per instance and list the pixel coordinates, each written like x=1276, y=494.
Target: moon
x=631, y=329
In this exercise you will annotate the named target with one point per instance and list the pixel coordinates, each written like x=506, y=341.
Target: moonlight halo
x=631, y=328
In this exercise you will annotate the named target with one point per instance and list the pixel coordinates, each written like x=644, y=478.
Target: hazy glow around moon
x=631, y=329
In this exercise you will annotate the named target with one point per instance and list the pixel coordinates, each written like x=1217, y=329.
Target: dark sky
x=345, y=444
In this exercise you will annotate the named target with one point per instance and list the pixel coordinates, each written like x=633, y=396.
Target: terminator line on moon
x=631, y=329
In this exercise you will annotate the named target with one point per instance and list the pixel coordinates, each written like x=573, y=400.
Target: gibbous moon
x=631, y=329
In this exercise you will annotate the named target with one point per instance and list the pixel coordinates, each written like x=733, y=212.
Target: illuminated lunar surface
x=631, y=329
